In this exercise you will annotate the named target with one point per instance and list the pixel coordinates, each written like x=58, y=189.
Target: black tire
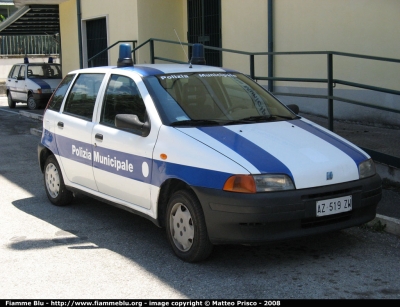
x=186, y=227
x=11, y=103
x=31, y=102
x=54, y=183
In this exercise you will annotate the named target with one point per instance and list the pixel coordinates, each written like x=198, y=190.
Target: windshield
x=44, y=71
x=214, y=98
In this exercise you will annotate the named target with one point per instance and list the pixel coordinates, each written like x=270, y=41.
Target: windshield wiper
x=260, y=118
x=248, y=120
x=195, y=122
x=287, y=117
x=264, y=118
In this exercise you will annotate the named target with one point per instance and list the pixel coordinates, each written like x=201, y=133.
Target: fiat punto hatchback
x=32, y=83
x=203, y=151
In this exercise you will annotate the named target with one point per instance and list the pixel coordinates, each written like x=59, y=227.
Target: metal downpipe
x=79, y=17
x=270, y=46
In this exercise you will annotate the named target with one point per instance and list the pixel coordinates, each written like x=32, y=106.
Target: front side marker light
x=366, y=169
x=44, y=91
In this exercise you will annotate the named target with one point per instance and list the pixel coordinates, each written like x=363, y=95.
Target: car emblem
x=329, y=175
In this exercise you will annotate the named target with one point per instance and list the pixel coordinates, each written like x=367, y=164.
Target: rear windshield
x=44, y=71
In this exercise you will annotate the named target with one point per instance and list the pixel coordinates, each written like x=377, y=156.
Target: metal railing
x=28, y=45
x=329, y=80
x=91, y=60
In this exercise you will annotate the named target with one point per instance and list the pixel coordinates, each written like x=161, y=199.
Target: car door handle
x=98, y=136
x=60, y=124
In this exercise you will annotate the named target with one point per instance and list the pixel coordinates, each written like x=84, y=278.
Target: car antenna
x=183, y=49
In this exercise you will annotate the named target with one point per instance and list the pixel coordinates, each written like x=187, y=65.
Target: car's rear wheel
x=11, y=103
x=54, y=183
x=186, y=227
x=32, y=104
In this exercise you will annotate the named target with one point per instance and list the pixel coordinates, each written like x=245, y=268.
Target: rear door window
x=21, y=74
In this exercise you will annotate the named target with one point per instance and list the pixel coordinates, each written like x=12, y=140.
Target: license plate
x=334, y=205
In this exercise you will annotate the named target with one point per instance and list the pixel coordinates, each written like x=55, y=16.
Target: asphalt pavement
x=381, y=139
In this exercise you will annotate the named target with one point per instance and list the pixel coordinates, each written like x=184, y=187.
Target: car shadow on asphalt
x=88, y=224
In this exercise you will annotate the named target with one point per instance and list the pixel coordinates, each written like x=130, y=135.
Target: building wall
x=69, y=36
x=245, y=28
x=122, y=21
x=366, y=27
x=356, y=26
x=160, y=19
x=120, y=26
x=157, y=19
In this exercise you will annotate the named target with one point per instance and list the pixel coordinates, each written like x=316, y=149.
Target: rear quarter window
x=14, y=72
x=11, y=72
x=58, y=97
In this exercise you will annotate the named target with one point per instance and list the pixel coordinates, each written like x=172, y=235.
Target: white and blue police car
x=203, y=151
x=32, y=83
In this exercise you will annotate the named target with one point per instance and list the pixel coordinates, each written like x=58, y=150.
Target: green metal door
x=96, y=33
x=204, y=26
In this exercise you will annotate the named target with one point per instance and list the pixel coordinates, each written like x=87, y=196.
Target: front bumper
x=264, y=217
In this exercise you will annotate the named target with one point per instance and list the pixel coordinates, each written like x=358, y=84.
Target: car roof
x=157, y=69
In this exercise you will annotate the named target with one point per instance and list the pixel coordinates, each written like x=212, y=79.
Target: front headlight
x=366, y=169
x=273, y=182
x=258, y=183
x=44, y=91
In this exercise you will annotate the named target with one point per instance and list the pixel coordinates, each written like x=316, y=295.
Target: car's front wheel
x=32, y=104
x=11, y=103
x=186, y=227
x=54, y=183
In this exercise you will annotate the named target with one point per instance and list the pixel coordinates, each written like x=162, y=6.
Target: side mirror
x=20, y=78
x=294, y=108
x=132, y=122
